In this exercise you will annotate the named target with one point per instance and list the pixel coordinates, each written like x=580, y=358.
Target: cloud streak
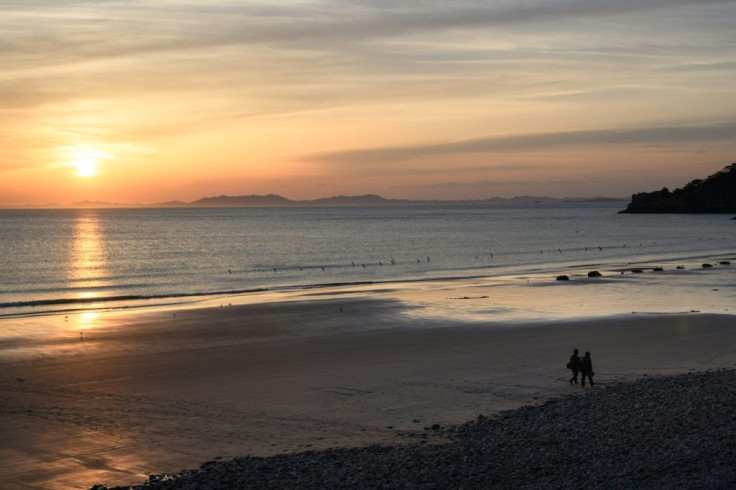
x=668, y=135
x=82, y=30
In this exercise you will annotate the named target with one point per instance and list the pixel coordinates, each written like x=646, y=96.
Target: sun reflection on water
x=88, y=268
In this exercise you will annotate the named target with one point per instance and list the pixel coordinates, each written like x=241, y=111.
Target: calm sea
x=60, y=260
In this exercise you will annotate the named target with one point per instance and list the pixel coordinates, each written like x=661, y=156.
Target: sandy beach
x=253, y=245
x=147, y=392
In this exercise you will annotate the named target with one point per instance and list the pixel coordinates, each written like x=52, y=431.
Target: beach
x=114, y=396
x=340, y=244
x=657, y=432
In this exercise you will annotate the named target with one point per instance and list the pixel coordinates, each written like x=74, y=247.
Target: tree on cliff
x=715, y=194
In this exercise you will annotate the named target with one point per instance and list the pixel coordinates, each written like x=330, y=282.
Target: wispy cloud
x=83, y=30
x=645, y=136
x=703, y=67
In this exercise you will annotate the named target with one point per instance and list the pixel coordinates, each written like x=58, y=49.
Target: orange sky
x=134, y=101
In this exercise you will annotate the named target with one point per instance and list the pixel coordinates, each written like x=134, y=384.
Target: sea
x=60, y=260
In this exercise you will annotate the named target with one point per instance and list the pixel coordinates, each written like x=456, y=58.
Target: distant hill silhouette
x=373, y=200
x=234, y=201
x=270, y=200
x=366, y=200
x=715, y=194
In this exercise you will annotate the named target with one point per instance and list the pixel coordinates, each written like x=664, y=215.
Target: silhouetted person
x=586, y=369
x=574, y=365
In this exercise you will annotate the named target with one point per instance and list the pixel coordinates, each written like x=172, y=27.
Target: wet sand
x=161, y=391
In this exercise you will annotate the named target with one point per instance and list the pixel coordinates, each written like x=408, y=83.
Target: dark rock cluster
x=660, y=432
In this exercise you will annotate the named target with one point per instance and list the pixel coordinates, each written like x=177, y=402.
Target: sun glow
x=85, y=161
x=86, y=167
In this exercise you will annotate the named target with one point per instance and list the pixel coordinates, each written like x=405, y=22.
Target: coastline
x=676, y=273
x=491, y=245
x=151, y=392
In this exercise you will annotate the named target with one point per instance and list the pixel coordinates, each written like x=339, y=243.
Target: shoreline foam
x=534, y=277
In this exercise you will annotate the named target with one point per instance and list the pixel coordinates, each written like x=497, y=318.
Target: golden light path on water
x=88, y=266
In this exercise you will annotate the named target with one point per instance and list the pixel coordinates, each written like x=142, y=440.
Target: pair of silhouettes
x=583, y=366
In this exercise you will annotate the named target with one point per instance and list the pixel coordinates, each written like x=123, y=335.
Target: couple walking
x=584, y=366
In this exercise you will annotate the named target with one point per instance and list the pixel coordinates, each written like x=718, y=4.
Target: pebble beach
x=657, y=432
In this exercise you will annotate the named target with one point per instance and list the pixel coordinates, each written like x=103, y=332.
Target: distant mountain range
x=270, y=200
x=714, y=194
x=365, y=200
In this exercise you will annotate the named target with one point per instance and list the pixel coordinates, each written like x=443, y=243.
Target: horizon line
x=321, y=201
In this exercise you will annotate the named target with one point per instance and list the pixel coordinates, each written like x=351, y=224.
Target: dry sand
x=161, y=391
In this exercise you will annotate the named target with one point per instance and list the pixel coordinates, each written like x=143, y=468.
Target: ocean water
x=66, y=260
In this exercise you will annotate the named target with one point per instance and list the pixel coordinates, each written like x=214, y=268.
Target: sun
x=85, y=161
x=86, y=166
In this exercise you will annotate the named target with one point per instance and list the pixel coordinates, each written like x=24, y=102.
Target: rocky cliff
x=715, y=194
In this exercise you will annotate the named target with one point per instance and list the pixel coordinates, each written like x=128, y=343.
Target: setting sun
x=86, y=167
x=85, y=161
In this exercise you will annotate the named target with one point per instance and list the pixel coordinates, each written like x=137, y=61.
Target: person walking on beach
x=574, y=365
x=586, y=369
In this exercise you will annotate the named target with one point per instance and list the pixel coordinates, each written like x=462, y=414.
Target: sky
x=146, y=101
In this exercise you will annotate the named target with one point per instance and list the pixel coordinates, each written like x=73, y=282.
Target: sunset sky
x=150, y=101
